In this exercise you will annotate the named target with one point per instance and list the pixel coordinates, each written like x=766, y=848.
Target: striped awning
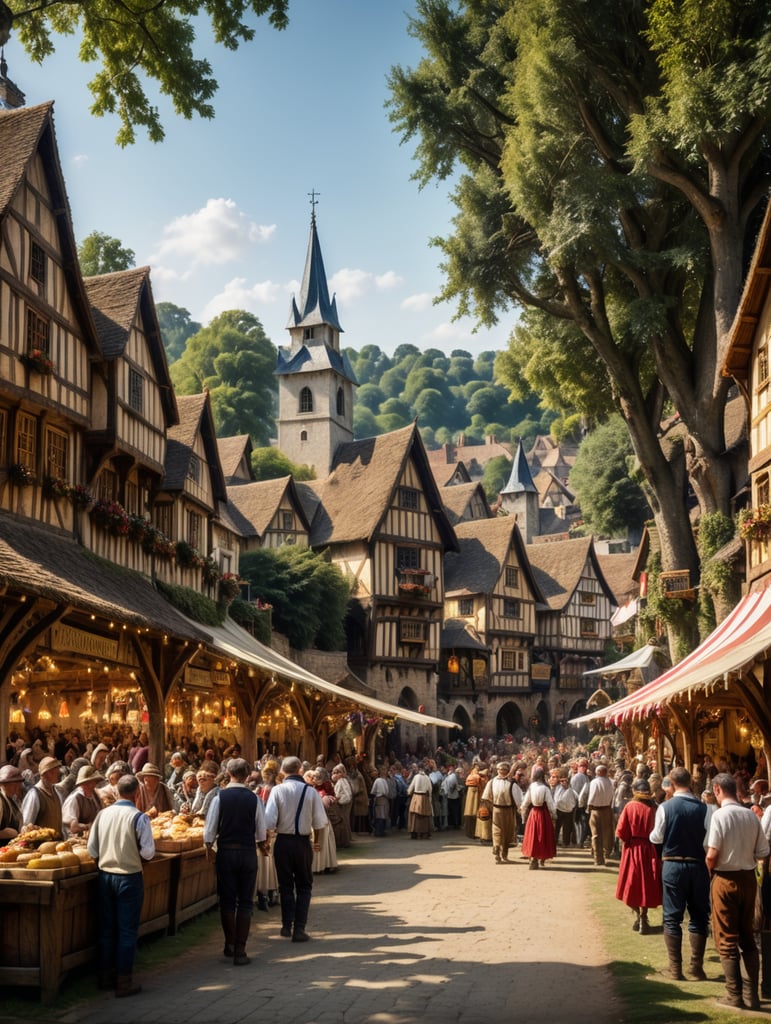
x=740, y=640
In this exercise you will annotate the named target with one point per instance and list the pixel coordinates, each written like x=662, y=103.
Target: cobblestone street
x=404, y=933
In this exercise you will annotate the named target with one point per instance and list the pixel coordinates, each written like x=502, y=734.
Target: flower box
x=38, y=361
x=755, y=523
x=20, y=474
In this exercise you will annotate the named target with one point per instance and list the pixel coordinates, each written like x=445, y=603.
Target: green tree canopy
x=308, y=593
x=176, y=328
x=495, y=476
x=98, y=253
x=612, y=502
x=137, y=42
x=234, y=359
x=271, y=464
x=613, y=161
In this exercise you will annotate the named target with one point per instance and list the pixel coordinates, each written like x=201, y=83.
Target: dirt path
x=406, y=932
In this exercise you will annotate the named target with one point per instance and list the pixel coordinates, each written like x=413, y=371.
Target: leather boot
x=243, y=924
x=696, y=966
x=636, y=922
x=124, y=986
x=733, y=983
x=674, y=944
x=645, y=927
x=533, y=864
x=262, y=902
x=750, y=984
x=228, y=920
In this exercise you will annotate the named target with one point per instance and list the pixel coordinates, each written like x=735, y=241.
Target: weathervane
x=314, y=202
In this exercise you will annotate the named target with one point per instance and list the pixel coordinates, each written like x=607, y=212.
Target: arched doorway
x=508, y=719
x=406, y=738
x=463, y=719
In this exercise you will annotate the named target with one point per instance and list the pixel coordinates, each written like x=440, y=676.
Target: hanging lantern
x=453, y=665
x=64, y=708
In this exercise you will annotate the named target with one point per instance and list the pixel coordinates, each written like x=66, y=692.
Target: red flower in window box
x=38, y=361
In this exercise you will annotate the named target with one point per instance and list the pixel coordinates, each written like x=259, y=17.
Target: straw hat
x=47, y=764
x=151, y=769
x=88, y=774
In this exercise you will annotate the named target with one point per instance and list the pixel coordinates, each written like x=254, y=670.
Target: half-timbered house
x=380, y=516
x=464, y=502
x=574, y=626
x=236, y=459
x=490, y=599
x=268, y=514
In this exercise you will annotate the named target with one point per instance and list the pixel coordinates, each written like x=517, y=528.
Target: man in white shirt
x=735, y=844
x=599, y=804
x=294, y=811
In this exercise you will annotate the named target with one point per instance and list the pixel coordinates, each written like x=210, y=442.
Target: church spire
x=313, y=307
x=520, y=479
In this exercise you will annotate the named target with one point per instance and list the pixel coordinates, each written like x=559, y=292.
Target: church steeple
x=314, y=308
x=520, y=496
x=316, y=380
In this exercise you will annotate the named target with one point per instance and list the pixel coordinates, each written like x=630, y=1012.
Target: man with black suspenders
x=294, y=810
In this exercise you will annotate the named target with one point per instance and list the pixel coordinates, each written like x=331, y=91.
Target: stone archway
x=543, y=712
x=463, y=719
x=509, y=719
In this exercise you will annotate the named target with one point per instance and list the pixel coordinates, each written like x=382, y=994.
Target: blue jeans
x=685, y=886
x=120, y=905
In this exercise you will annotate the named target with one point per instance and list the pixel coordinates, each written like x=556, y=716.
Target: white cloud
x=418, y=303
x=449, y=331
x=217, y=233
x=388, y=280
x=349, y=284
x=168, y=275
x=79, y=159
x=238, y=294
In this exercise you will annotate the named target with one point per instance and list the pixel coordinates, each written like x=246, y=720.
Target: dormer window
x=306, y=400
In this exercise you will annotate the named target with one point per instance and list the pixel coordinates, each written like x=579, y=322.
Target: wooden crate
x=159, y=895
x=196, y=888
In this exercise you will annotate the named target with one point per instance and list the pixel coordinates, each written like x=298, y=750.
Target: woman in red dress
x=639, y=874
x=539, y=842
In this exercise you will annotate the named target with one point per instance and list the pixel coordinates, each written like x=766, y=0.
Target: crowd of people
x=689, y=842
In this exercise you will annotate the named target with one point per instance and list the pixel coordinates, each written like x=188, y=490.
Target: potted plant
x=230, y=587
x=111, y=516
x=755, y=523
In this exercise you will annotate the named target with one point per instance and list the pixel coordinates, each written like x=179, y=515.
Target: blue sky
x=220, y=210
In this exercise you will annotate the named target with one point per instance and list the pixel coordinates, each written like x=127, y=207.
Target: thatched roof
x=40, y=561
x=456, y=499
x=253, y=506
x=558, y=567
x=484, y=550
x=232, y=451
x=356, y=495
x=25, y=132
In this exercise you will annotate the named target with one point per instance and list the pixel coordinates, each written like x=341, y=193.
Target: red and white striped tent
x=741, y=639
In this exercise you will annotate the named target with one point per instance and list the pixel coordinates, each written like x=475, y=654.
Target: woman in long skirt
x=483, y=827
x=325, y=858
x=344, y=796
x=539, y=843
x=420, y=815
x=471, y=805
x=639, y=873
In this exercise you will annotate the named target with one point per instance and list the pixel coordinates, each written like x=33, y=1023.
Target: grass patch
x=636, y=960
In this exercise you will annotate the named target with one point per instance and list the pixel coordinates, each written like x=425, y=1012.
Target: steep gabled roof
x=313, y=307
x=558, y=566
x=25, y=132
x=520, y=479
x=232, y=450
x=116, y=300
x=484, y=548
x=356, y=495
x=456, y=499
x=618, y=571
x=313, y=357
x=253, y=506
x=194, y=415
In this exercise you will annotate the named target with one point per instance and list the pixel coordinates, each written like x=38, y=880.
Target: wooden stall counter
x=49, y=925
